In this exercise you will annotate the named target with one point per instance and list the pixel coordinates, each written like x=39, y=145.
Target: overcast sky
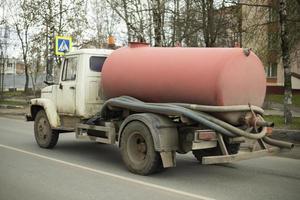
x=14, y=48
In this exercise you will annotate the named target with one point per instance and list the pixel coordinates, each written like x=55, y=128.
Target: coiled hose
x=195, y=113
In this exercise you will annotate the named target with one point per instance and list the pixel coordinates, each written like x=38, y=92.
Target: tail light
x=269, y=131
x=205, y=135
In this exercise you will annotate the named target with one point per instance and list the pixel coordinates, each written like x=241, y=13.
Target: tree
x=37, y=22
x=58, y=17
x=172, y=22
x=293, y=22
x=158, y=11
x=36, y=65
x=102, y=24
x=285, y=61
x=136, y=17
x=284, y=15
x=23, y=22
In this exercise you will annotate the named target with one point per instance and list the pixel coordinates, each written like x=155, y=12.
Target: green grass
x=13, y=103
x=14, y=94
x=278, y=98
x=279, y=122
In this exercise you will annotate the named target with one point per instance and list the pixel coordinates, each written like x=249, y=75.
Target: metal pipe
x=237, y=108
x=204, y=108
x=278, y=143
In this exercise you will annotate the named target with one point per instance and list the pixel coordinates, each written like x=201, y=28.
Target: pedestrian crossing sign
x=63, y=44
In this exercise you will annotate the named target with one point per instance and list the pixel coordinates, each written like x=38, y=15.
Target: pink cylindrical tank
x=208, y=76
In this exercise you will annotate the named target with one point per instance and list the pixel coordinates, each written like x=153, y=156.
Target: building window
x=271, y=70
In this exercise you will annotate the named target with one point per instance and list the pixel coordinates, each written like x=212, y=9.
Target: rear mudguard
x=164, y=134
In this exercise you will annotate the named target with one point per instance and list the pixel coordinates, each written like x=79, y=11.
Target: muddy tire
x=137, y=149
x=44, y=135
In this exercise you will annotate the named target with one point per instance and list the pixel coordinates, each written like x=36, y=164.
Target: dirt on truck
x=155, y=102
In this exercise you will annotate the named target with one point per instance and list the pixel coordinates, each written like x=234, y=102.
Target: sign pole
x=48, y=70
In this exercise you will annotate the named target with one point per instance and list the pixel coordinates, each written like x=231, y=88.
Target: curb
x=10, y=106
x=280, y=113
x=287, y=135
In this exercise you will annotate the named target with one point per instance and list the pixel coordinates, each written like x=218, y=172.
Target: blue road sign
x=62, y=45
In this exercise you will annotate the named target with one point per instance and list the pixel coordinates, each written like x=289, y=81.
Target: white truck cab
x=78, y=93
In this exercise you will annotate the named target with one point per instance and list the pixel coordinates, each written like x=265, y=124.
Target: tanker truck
x=156, y=102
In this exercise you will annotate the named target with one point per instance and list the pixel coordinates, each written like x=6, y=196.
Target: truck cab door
x=66, y=95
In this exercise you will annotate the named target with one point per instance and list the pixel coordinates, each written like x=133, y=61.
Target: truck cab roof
x=103, y=52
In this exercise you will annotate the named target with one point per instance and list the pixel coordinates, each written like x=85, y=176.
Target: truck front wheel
x=138, y=151
x=44, y=135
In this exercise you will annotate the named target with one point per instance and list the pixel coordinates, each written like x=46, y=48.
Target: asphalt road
x=78, y=169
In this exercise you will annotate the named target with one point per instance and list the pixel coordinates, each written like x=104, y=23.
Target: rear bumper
x=240, y=156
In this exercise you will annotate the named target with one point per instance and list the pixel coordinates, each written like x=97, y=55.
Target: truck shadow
x=108, y=157
x=91, y=152
x=187, y=172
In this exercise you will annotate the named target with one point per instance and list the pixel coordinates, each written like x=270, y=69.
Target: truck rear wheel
x=44, y=135
x=138, y=151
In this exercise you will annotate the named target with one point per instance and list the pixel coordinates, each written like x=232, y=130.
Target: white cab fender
x=50, y=109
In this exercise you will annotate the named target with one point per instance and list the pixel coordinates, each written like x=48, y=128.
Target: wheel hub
x=42, y=129
x=137, y=147
x=141, y=147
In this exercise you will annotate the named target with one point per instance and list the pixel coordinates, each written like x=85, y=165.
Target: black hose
x=236, y=130
x=171, y=109
x=225, y=125
x=236, y=108
x=220, y=126
x=137, y=107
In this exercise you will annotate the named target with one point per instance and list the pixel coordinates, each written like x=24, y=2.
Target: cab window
x=69, y=69
x=96, y=63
